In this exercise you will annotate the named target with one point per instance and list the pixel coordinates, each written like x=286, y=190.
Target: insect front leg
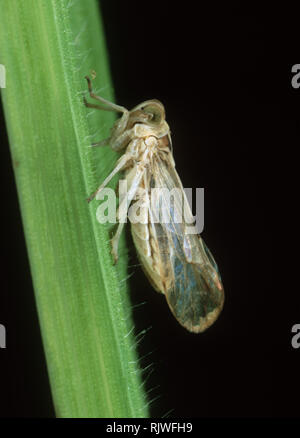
x=120, y=125
x=123, y=208
x=110, y=106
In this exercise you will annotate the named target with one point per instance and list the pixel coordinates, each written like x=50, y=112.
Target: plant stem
x=47, y=47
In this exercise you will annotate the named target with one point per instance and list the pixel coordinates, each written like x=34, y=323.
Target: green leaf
x=47, y=47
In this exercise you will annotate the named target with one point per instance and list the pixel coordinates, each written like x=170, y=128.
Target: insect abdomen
x=157, y=270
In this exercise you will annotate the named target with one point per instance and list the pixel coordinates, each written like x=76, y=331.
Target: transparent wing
x=196, y=294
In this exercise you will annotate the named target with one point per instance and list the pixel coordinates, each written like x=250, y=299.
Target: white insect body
x=178, y=264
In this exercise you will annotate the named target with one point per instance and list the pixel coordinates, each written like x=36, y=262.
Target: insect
x=178, y=264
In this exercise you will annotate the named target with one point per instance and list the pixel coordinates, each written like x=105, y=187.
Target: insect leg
x=123, y=208
x=120, y=164
x=111, y=106
x=115, y=242
x=104, y=142
x=93, y=105
x=120, y=125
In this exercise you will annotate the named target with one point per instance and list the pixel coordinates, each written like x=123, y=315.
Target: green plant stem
x=47, y=47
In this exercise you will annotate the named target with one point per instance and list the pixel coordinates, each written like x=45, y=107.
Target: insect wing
x=196, y=294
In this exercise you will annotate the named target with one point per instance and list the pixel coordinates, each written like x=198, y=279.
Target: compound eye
x=155, y=114
x=154, y=111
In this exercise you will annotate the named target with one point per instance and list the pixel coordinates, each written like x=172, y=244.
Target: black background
x=224, y=76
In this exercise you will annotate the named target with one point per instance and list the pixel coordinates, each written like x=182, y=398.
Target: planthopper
x=173, y=256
